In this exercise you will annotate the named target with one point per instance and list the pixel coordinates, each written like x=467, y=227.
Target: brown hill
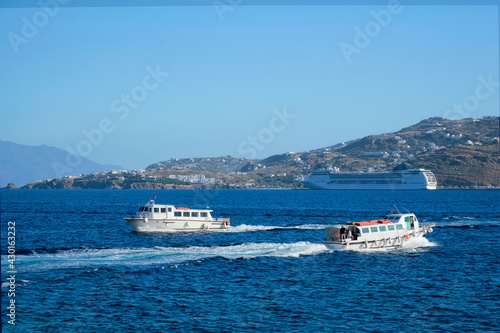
x=462, y=165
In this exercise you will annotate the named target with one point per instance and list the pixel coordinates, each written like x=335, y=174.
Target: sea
x=77, y=266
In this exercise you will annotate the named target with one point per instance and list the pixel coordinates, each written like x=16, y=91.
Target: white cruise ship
x=398, y=179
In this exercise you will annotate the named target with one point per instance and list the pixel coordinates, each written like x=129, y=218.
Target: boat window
x=163, y=210
x=141, y=209
x=374, y=229
x=157, y=210
x=186, y=214
x=382, y=228
x=177, y=214
x=149, y=209
x=407, y=219
x=202, y=214
x=365, y=230
x=194, y=214
x=169, y=209
x=399, y=227
x=390, y=227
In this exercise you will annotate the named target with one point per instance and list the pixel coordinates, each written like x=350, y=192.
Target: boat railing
x=222, y=219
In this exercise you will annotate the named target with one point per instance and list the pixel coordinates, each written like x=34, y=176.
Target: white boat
x=406, y=179
x=394, y=231
x=153, y=217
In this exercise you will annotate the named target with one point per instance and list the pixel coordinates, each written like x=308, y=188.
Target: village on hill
x=461, y=153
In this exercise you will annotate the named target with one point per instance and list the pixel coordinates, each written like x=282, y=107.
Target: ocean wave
x=78, y=258
x=253, y=228
x=22, y=282
x=459, y=218
x=421, y=242
x=468, y=224
x=250, y=228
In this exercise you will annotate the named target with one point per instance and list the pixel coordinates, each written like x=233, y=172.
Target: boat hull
x=166, y=225
x=382, y=244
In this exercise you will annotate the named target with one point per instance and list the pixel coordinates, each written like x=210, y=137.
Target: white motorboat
x=153, y=217
x=394, y=231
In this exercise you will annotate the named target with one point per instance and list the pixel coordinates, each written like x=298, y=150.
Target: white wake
x=161, y=255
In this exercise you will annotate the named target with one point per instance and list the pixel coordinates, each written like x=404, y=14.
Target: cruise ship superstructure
x=407, y=179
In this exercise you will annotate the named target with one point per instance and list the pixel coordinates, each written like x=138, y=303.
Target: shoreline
x=256, y=188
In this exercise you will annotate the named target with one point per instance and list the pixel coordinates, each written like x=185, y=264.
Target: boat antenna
x=406, y=210
x=394, y=208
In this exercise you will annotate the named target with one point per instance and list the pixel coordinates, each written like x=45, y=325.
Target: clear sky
x=137, y=85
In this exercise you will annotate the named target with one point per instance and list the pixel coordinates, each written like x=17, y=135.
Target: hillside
x=22, y=164
x=462, y=166
x=462, y=153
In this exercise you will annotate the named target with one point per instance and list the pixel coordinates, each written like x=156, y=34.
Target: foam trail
x=421, y=242
x=162, y=255
x=253, y=228
x=313, y=226
x=249, y=228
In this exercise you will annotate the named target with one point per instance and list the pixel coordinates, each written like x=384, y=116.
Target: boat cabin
x=155, y=211
x=393, y=225
x=409, y=219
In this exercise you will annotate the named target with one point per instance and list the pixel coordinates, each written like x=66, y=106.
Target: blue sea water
x=81, y=268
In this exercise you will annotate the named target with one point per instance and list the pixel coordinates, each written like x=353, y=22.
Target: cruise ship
x=397, y=179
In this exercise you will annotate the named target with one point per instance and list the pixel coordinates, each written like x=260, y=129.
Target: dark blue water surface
x=80, y=268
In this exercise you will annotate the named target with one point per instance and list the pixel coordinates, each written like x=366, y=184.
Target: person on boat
x=342, y=233
x=349, y=233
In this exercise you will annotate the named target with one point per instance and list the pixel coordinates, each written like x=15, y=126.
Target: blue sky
x=147, y=84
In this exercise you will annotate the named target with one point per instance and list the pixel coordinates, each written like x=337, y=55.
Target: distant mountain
x=22, y=164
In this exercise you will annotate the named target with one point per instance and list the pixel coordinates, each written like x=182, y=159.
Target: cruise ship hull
x=324, y=186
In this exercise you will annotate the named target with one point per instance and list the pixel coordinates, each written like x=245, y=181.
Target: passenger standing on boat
x=349, y=233
x=342, y=233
